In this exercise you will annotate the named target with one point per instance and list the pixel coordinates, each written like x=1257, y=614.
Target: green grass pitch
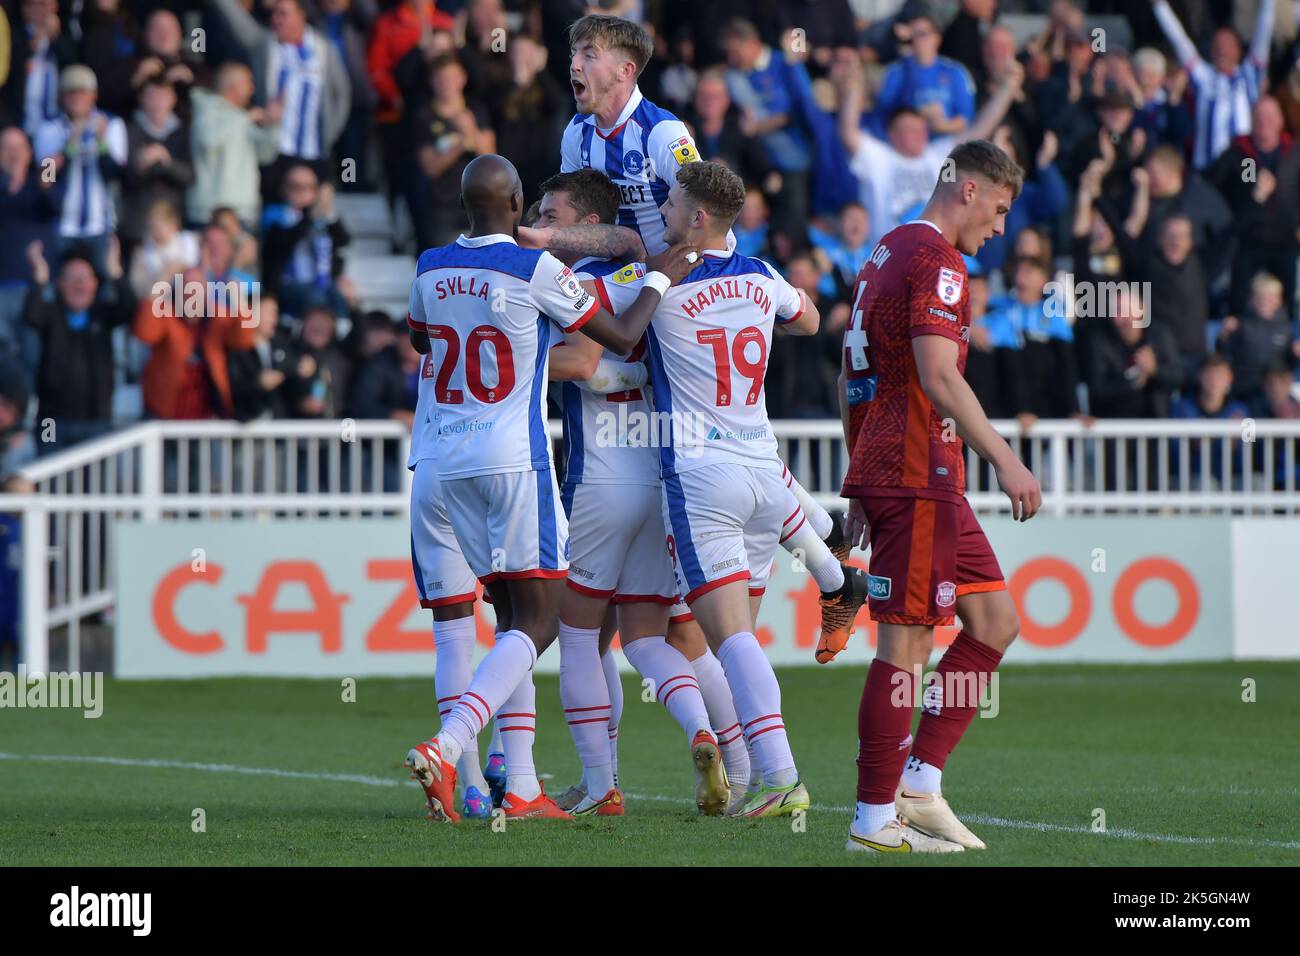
x=1184, y=770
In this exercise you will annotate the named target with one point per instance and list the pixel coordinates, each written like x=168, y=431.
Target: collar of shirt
x=78, y=320
x=633, y=102
x=476, y=241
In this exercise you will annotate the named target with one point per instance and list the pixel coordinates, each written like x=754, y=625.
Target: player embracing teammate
x=906, y=410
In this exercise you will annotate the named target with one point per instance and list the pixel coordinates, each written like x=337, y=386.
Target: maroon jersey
x=913, y=284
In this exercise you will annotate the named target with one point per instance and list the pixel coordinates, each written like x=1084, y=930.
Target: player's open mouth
x=579, y=87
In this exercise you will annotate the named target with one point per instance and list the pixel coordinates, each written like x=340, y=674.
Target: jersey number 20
x=478, y=337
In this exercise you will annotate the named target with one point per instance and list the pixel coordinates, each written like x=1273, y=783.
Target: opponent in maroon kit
x=906, y=409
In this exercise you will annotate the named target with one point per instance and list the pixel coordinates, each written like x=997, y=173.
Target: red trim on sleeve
x=587, y=317
x=602, y=295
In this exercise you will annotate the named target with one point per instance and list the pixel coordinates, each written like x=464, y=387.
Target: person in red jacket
x=187, y=376
x=397, y=32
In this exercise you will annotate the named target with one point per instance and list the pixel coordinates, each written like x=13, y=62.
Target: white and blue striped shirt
x=641, y=154
x=298, y=81
x=41, y=95
x=87, y=204
x=1223, y=100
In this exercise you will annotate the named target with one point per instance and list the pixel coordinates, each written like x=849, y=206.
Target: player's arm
x=621, y=333
x=576, y=359
x=416, y=329
x=599, y=240
x=804, y=322
x=943, y=383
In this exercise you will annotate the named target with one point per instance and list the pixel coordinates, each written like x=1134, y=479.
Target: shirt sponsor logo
x=723, y=565
x=942, y=314
x=629, y=274
x=945, y=594
x=879, y=587
x=859, y=390
x=949, y=286
x=569, y=284
x=684, y=150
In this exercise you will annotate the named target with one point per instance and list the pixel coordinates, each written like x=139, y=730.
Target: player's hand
x=1019, y=484
x=676, y=262
x=856, y=530
x=530, y=237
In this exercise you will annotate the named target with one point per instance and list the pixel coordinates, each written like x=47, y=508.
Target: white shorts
x=510, y=525
x=618, y=548
x=442, y=575
x=724, y=523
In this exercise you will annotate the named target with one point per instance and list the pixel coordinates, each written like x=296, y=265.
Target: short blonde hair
x=1265, y=282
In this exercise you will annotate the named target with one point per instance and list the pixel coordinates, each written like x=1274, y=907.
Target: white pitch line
x=1122, y=833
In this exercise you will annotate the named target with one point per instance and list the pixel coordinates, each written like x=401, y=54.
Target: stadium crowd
x=141, y=142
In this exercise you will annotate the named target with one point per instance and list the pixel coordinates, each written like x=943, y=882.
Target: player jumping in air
x=906, y=409
x=640, y=147
x=491, y=305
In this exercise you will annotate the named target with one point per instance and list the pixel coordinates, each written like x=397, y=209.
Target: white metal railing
x=170, y=471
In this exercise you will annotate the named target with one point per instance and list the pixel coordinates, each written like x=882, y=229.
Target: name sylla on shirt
x=727, y=289
x=75, y=909
x=460, y=285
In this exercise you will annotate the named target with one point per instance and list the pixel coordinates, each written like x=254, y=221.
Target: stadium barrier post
x=35, y=630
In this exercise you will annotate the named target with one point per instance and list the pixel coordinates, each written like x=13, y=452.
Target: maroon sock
x=971, y=663
x=884, y=729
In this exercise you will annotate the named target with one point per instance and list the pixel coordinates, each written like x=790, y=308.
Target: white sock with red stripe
x=758, y=703
x=614, y=685
x=818, y=516
x=722, y=715
x=494, y=680
x=585, y=698
x=673, y=679
x=454, y=641
x=800, y=539
x=518, y=722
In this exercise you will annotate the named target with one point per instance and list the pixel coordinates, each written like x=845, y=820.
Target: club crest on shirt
x=629, y=274
x=684, y=150
x=633, y=162
x=568, y=283
x=949, y=286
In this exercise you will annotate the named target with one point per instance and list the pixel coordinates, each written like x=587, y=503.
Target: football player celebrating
x=640, y=146
x=724, y=494
x=618, y=554
x=491, y=305
x=906, y=409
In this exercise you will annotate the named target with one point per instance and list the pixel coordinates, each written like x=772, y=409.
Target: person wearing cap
x=89, y=150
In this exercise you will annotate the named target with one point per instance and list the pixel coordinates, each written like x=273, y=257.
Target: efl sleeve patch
x=949, y=286
x=684, y=151
x=568, y=283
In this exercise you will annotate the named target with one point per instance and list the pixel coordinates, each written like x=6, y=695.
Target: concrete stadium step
x=365, y=214
x=383, y=281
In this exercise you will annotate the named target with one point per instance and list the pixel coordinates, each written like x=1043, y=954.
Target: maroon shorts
x=925, y=553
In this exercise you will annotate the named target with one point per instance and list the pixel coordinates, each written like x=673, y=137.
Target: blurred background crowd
x=218, y=141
